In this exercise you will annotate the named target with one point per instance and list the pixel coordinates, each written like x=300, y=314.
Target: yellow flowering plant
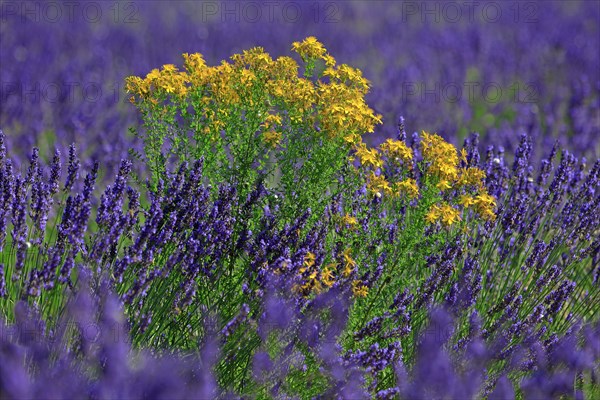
x=417, y=199
x=447, y=191
x=254, y=116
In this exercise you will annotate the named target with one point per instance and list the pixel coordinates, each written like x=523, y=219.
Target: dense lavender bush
x=231, y=271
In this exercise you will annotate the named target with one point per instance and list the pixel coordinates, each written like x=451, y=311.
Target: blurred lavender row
x=499, y=68
x=89, y=355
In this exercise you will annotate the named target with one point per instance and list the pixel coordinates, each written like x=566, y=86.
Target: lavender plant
x=44, y=222
x=88, y=354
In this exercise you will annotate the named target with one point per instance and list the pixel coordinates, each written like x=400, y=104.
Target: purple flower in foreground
x=92, y=337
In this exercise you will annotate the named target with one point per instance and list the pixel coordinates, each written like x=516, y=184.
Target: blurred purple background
x=497, y=68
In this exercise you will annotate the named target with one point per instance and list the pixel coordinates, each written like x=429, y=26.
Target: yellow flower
x=349, y=263
x=368, y=156
x=441, y=156
x=169, y=68
x=137, y=85
x=329, y=60
x=271, y=120
x=466, y=200
x=193, y=62
x=449, y=215
x=309, y=48
x=272, y=138
x=378, y=184
x=283, y=69
x=485, y=204
x=443, y=185
x=409, y=188
x=358, y=289
x=352, y=138
x=350, y=221
x=444, y=212
x=397, y=149
x=463, y=155
x=471, y=176
x=309, y=259
x=327, y=276
x=433, y=214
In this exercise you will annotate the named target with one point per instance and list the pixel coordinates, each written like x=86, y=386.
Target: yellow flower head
x=443, y=185
x=378, y=184
x=444, y=212
x=466, y=200
x=137, y=85
x=368, y=156
x=408, y=187
x=309, y=259
x=349, y=263
x=193, y=62
x=284, y=69
x=272, y=137
x=359, y=289
x=327, y=276
x=441, y=156
x=471, y=176
x=350, y=221
x=433, y=214
x=485, y=204
x=255, y=59
x=397, y=149
x=449, y=215
x=309, y=48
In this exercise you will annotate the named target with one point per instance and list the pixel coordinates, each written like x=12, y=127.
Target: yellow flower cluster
x=349, y=221
x=311, y=49
x=408, y=187
x=378, y=185
x=470, y=176
x=342, y=110
x=369, y=157
x=483, y=203
x=312, y=282
x=349, y=263
x=397, y=149
x=442, y=158
x=391, y=152
x=443, y=212
x=272, y=138
x=443, y=162
x=349, y=76
x=359, y=289
x=254, y=80
x=169, y=79
x=316, y=280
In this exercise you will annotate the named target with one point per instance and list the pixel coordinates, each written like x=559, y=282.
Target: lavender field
x=300, y=199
